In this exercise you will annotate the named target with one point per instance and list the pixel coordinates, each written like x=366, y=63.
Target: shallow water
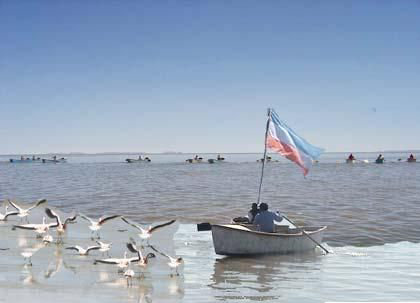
x=372, y=212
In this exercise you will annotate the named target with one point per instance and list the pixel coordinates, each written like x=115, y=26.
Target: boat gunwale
x=320, y=229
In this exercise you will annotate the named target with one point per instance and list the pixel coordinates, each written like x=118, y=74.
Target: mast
x=265, y=154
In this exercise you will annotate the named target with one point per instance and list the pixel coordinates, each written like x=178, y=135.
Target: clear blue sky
x=197, y=76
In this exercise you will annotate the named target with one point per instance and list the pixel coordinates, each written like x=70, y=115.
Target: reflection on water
x=260, y=277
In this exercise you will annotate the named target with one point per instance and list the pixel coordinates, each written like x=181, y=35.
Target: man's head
x=254, y=206
x=264, y=206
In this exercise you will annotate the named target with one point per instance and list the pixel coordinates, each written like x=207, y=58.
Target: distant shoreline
x=186, y=153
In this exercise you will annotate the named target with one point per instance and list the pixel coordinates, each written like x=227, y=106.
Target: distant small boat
x=61, y=160
x=27, y=160
x=217, y=160
x=147, y=159
x=269, y=159
x=199, y=160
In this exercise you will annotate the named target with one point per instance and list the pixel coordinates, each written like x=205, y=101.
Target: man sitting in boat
x=265, y=219
x=351, y=157
x=253, y=212
x=411, y=157
x=380, y=158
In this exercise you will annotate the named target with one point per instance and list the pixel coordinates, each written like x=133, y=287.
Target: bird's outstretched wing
x=131, y=223
x=159, y=252
x=77, y=247
x=161, y=225
x=50, y=213
x=26, y=226
x=10, y=213
x=70, y=219
x=17, y=207
x=86, y=218
x=42, y=201
x=92, y=248
x=133, y=248
x=107, y=261
x=103, y=220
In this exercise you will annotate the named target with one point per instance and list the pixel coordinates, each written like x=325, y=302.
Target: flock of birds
x=123, y=264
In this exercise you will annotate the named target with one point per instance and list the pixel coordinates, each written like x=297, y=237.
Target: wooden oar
x=306, y=234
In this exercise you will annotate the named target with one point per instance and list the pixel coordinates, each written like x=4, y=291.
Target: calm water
x=372, y=212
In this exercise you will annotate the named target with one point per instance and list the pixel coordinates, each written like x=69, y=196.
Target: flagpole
x=265, y=154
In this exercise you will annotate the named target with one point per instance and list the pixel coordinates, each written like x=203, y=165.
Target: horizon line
x=186, y=153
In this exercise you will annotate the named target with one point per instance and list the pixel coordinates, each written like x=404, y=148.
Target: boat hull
x=411, y=160
x=350, y=161
x=379, y=161
x=24, y=161
x=137, y=161
x=54, y=161
x=238, y=240
x=199, y=160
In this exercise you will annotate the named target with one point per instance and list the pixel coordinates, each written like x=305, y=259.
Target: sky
x=198, y=76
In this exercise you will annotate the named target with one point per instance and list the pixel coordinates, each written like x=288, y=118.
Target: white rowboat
x=235, y=239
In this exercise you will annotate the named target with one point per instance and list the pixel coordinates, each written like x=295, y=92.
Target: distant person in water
x=196, y=157
x=380, y=158
x=140, y=157
x=265, y=219
x=253, y=212
x=351, y=157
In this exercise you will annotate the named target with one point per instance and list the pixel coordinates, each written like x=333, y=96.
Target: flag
x=282, y=139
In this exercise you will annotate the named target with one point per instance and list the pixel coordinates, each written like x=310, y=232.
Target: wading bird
x=174, y=262
x=122, y=263
x=82, y=251
x=95, y=226
x=105, y=247
x=147, y=233
x=40, y=229
x=129, y=274
x=29, y=252
x=24, y=212
x=142, y=261
x=60, y=226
